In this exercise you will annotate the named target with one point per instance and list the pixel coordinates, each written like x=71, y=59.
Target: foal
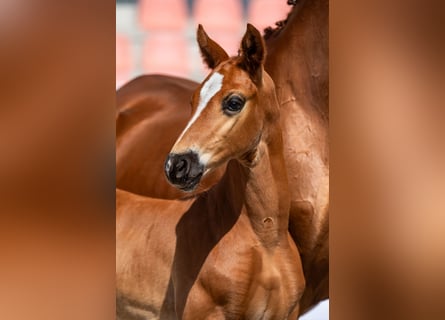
x=227, y=253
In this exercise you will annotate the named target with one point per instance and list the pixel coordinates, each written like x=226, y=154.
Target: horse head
x=230, y=109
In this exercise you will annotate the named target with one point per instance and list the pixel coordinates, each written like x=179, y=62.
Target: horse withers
x=227, y=252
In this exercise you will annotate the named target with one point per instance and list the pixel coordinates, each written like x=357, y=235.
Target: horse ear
x=211, y=52
x=253, y=53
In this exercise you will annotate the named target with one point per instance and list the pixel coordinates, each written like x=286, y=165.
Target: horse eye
x=233, y=105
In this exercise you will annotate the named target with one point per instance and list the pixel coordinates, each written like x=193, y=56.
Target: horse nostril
x=181, y=168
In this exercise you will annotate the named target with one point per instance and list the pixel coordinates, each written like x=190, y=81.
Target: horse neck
x=260, y=192
x=299, y=52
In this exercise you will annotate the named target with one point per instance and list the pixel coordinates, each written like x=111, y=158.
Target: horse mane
x=270, y=31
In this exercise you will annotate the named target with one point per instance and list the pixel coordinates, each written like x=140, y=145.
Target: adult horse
x=153, y=111
x=227, y=252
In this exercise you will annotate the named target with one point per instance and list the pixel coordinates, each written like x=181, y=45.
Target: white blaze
x=208, y=90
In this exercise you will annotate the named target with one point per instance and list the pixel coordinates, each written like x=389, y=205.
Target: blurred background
x=158, y=36
x=387, y=157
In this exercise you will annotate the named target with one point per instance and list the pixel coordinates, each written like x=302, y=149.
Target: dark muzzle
x=184, y=170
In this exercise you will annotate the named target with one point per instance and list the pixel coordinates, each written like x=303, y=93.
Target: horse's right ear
x=211, y=52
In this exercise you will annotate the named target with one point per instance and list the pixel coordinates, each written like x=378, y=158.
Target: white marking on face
x=204, y=158
x=208, y=91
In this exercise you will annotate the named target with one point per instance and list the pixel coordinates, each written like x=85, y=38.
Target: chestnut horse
x=226, y=253
x=153, y=111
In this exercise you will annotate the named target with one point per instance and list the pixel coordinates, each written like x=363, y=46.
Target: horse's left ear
x=253, y=53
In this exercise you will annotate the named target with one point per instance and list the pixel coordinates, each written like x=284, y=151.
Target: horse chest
x=242, y=279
